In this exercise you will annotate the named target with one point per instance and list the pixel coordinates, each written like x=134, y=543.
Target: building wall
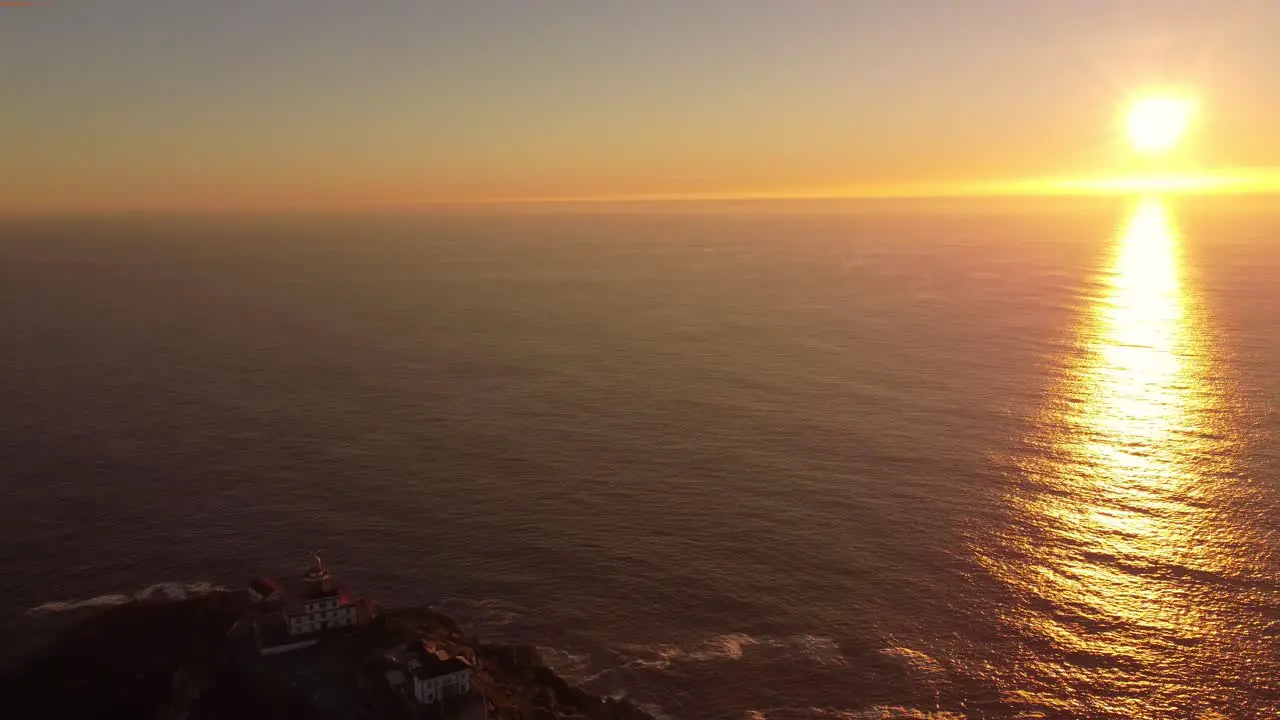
x=308, y=622
x=429, y=690
x=321, y=604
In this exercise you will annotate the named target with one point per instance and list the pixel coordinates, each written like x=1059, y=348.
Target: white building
x=320, y=614
x=435, y=680
x=322, y=606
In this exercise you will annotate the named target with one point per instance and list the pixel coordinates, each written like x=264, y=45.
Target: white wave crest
x=568, y=665
x=888, y=712
x=876, y=712
x=158, y=591
x=730, y=646
x=734, y=646
x=727, y=647
x=814, y=648
x=654, y=711
x=914, y=659
x=488, y=614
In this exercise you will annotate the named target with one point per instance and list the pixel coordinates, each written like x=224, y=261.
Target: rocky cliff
x=174, y=660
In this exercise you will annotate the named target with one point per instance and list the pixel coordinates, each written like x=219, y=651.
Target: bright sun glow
x=1156, y=124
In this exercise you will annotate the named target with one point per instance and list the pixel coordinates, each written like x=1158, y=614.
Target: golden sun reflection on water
x=1118, y=552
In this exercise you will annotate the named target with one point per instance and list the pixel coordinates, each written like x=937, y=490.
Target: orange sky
x=145, y=105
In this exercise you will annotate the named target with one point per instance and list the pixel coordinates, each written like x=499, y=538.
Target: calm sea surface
x=944, y=463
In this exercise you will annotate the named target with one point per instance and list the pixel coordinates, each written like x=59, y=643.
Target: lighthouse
x=322, y=605
x=318, y=581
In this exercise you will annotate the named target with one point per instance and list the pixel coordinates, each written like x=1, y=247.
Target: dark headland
x=179, y=659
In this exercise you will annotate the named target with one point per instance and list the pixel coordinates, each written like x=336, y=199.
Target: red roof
x=265, y=586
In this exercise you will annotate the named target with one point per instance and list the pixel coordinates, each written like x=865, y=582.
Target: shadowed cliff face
x=145, y=660
x=173, y=660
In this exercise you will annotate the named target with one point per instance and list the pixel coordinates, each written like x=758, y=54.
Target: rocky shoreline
x=173, y=659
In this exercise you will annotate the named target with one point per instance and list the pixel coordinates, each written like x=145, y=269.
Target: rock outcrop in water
x=174, y=660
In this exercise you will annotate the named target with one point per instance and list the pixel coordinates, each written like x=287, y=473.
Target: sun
x=1155, y=124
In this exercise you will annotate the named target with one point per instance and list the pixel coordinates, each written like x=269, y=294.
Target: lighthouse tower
x=322, y=606
x=318, y=582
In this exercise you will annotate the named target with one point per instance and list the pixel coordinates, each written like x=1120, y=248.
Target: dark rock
x=174, y=659
x=122, y=662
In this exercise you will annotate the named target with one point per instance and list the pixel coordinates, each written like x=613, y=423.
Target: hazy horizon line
x=1238, y=183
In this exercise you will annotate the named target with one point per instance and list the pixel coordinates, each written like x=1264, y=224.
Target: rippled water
x=924, y=462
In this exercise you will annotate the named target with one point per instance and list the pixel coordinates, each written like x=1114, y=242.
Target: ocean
x=916, y=460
